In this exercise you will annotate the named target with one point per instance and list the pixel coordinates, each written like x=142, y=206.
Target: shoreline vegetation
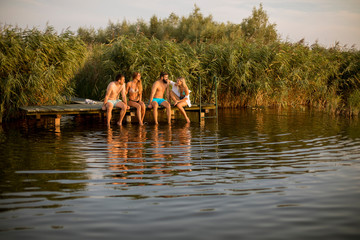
x=253, y=66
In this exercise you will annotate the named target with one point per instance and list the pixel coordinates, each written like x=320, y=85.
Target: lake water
x=253, y=174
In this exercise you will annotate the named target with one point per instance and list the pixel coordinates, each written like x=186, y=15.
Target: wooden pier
x=79, y=108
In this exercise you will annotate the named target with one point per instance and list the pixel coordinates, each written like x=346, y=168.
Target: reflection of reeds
x=36, y=67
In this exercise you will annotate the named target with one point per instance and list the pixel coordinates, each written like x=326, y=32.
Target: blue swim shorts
x=114, y=102
x=159, y=100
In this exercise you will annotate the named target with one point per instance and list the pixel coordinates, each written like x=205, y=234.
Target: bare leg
x=174, y=97
x=138, y=110
x=155, y=106
x=109, y=108
x=167, y=105
x=180, y=106
x=143, y=110
x=123, y=107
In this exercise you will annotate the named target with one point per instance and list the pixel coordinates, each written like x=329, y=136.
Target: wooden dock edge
x=56, y=112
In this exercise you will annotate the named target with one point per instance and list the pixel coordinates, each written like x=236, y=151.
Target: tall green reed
x=36, y=67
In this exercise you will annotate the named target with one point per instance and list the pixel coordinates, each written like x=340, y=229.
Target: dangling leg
x=167, y=105
x=138, y=110
x=155, y=106
x=123, y=107
x=143, y=110
x=181, y=106
x=109, y=108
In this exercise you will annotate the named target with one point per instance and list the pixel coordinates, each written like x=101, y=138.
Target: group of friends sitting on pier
x=134, y=90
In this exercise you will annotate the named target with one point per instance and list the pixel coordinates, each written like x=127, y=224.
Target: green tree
x=257, y=28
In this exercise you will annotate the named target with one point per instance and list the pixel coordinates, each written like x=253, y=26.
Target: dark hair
x=163, y=74
x=119, y=76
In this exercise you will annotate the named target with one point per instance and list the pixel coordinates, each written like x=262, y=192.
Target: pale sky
x=326, y=21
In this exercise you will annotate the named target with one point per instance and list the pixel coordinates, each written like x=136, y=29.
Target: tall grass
x=249, y=74
x=127, y=55
x=36, y=67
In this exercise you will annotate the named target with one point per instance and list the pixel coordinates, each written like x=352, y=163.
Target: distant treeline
x=194, y=28
x=252, y=65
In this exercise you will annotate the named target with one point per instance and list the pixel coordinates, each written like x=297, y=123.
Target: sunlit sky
x=325, y=21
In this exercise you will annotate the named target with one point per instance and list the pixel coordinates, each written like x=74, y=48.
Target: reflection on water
x=255, y=174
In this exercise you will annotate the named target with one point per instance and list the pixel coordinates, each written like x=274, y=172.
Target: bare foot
x=141, y=123
x=119, y=123
x=187, y=120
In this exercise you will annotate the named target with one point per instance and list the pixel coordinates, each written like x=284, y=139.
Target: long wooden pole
x=200, y=99
x=216, y=96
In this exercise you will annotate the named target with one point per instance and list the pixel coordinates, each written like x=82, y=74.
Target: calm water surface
x=256, y=174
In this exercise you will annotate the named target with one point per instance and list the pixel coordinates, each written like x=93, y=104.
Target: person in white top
x=180, y=94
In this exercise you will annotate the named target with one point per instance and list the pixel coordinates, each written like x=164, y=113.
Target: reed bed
x=36, y=67
x=249, y=74
x=252, y=66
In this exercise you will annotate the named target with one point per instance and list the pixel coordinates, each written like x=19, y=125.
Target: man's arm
x=153, y=90
x=127, y=88
x=168, y=92
x=123, y=94
x=108, y=92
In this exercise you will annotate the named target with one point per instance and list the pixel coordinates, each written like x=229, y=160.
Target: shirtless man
x=157, y=94
x=112, y=98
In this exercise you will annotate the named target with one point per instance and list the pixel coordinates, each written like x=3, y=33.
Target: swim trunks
x=159, y=100
x=114, y=102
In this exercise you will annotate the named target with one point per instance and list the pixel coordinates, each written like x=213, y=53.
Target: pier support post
x=57, y=120
x=128, y=118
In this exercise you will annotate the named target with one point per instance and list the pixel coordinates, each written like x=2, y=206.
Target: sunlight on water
x=253, y=174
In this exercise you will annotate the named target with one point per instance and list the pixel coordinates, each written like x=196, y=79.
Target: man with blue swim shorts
x=157, y=94
x=112, y=98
